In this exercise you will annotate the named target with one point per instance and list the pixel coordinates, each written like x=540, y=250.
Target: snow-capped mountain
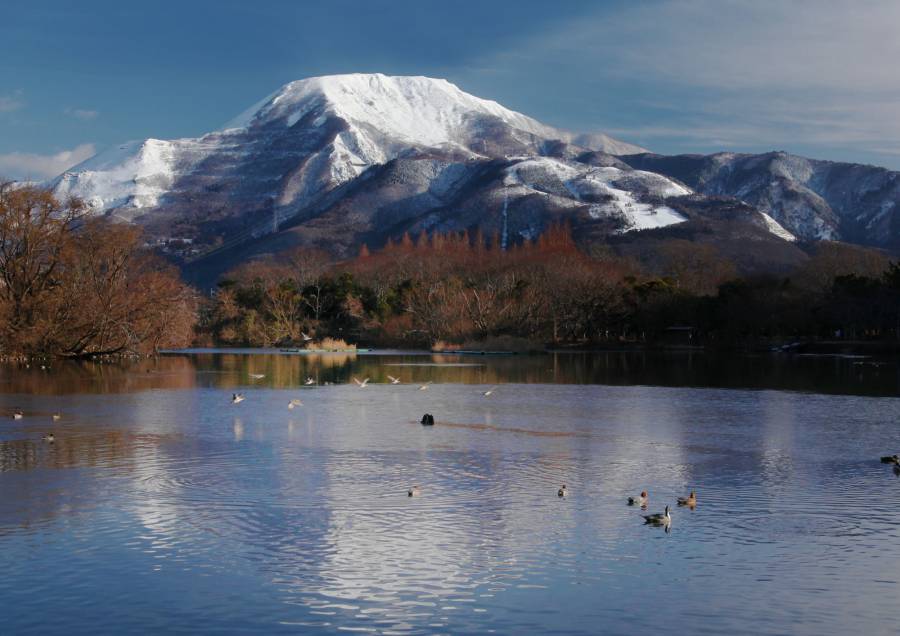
x=310, y=136
x=338, y=160
x=812, y=199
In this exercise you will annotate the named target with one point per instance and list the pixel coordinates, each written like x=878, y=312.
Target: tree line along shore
x=78, y=286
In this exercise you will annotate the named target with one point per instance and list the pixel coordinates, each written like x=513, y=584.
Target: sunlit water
x=161, y=506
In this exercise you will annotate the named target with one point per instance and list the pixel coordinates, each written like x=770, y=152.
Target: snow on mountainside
x=340, y=160
x=377, y=117
x=812, y=199
x=608, y=191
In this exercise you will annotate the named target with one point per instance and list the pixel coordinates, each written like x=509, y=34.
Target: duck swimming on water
x=415, y=491
x=563, y=491
x=659, y=519
x=689, y=501
x=640, y=500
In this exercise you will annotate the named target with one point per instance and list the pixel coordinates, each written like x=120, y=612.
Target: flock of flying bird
x=237, y=398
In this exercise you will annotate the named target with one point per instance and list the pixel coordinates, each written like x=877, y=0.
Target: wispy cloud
x=23, y=165
x=754, y=72
x=82, y=114
x=12, y=101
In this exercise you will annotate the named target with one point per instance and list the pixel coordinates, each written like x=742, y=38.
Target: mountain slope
x=812, y=199
x=307, y=138
x=339, y=160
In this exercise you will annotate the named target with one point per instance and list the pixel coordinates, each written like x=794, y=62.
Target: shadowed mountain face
x=343, y=160
x=812, y=199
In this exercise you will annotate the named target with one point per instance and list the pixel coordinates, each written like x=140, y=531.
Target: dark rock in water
x=428, y=419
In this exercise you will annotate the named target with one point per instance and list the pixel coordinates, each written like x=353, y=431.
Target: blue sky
x=816, y=77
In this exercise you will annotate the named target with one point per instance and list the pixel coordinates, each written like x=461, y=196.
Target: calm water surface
x=162, y=506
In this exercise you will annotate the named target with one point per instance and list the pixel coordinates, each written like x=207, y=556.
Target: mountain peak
x=306, y=139
x=414, y=109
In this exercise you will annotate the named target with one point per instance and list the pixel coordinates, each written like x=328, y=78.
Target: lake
x=162, y=506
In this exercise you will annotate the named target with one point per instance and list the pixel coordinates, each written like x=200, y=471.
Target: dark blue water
x=161, y=506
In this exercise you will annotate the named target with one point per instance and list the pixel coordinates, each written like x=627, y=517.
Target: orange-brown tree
x=75, y=287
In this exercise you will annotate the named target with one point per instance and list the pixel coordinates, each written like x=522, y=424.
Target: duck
x=49, y=438
x=309, y=381
x=237, y=397
x=690, y=500
x=427, y=420
x=415, y=491
x=394, y=380
x=563, y=491
x=658, y=519
x=640, y=500
x=891, y=459
x=18, y=414
x=294, y=403
x=56, y=416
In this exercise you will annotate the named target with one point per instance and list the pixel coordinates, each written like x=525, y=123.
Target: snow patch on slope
x=776, y=228
x=603, y=189
x=133, y=176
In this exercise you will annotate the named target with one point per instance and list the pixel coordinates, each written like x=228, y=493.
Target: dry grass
x=441, y=345
x=330, y=344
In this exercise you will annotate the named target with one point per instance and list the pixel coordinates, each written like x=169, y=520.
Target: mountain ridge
x=334, y=161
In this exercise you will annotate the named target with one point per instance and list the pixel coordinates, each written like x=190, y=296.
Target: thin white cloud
x=23, y=165
x=12, y=101
x=82, y=113
x=759, y=72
